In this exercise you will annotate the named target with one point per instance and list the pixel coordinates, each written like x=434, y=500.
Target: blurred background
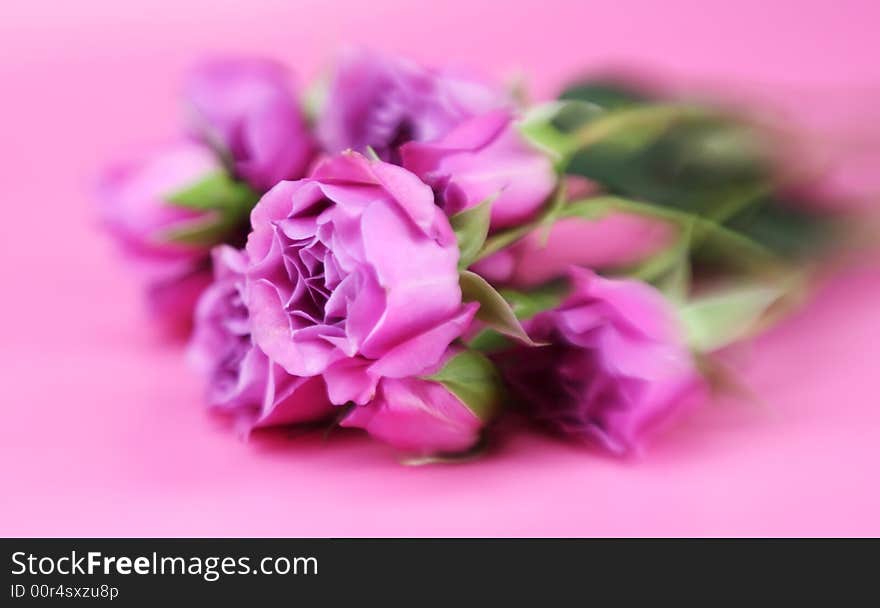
x=103, y=432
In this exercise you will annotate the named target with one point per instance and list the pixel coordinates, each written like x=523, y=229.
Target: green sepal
x=471, y=228
x=215, y=191
x=494, y=310
x=226, y=203
x=204, y=232
x=472, y=378
x=525, y=305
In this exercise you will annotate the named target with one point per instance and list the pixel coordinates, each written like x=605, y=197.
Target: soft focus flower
x=241, y=379
x=615, y=365
x=249, y=109
x=352, y=274
x=136, y=209
x=548, y=252
x=484, y=157
x=383, y=102
x=419, y=416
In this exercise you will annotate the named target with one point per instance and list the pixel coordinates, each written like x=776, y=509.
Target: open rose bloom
x=421, y=252
x=353, y=275
x=613, y=365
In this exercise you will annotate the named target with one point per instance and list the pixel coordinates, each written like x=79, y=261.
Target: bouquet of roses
x=415, y=251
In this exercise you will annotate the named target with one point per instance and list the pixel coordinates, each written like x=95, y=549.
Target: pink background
x=103, y=433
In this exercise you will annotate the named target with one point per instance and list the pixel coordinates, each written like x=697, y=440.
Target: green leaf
x=785, y=227
x=548, y=126
x=494, y=310
x=471, y=227
x=675, y=282
x=473, y=379
x=718, y=319
x=706, y=236
x=216, y=191
x=606, y=93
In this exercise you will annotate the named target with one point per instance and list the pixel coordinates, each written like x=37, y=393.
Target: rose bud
x=382, y=102
x=242, y=381
x=484, y=157
x=166, y=208
x=614, y=368
x=439, y=414
x=249, y=109
x=353, y=274
x=614, y=241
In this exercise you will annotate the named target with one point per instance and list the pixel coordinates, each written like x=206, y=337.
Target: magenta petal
x=417, y=416
x=248, y=108
x=382, y=102
x=422, y=352
x=484, y=157
x=350, y=380
x=352, y=273
x=639, y=305
x=419, y=279
x=614, y=369
x=300, y=355
x=608, y=242
x=291, y=400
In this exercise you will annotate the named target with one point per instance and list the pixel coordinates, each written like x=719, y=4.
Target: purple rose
x=241, y=379
x=483, y=157
x=383, y=102
x=136, y=209
x=614, y=368
x=352, y=274
x=248, y=108
x=418, y=416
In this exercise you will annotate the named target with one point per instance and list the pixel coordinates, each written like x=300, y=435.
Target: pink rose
x=242, y=381
x=614, y=368
x=484, y=157
x=249, y=109
x=353, y=275
x=383, y=102
x=137, y=210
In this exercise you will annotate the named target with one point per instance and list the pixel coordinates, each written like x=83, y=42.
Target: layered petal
x=351, y=271
x=249, y=109
x=417, y=416
x=484, y=157
x=382, y=102
x=614, y=369
x=241, y=379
